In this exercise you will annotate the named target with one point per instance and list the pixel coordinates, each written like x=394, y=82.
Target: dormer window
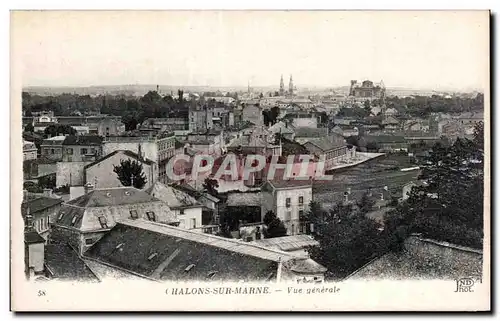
x=151, y=216
x=60, y=217
x=103, y=222
x=73, y=221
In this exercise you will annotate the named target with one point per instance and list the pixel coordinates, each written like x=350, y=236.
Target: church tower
x=290, y=86
x=282, y=87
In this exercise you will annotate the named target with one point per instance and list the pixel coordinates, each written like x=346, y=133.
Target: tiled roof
x=83, y=140
x=124, y=152
x=385, y=139
x=280, y=127
x=112, y=197
x=64, y=263
x=173, y=197
x=244, y=199
x=39, y=204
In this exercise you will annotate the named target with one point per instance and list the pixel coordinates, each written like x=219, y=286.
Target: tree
x=449, y=207
x=274, y=226
x=29, y=128
x=56, y=130
x=273, y=115
x=210, y=185
x=365, y=204
x=367, y=107
x=130, y=173
x=347, y=241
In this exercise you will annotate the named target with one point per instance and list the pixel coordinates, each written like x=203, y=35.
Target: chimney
x=88, y=188
x=278, y=273
x=258, y=235
x=47, y=192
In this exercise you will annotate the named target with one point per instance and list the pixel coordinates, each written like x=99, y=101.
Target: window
x=288, y=201
x=92, y=150
x=45, y=151
x=133, y=214
x=301, y=213
x=103, y=222
x=181, y=212
x=301, y=200
x=52, y=151
x=152, y=256
x=151, y=216
x=60, y=217
x=70, y=151
x=83, y=151
x=189, y=267
x=193, y=223
x=182, y=223
x=73, y=221
x=89, y=241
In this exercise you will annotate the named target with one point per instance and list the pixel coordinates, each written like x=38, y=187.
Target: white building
x=289, y=199
x=29, y=150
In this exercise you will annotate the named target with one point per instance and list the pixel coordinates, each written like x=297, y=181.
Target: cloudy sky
x=405, y=49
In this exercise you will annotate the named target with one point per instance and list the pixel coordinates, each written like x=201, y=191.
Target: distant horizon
x=244, y=87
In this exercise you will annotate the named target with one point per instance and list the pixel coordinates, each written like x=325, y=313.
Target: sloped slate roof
x=162, y=252
x=65, y=264
x=83, y=140
x=175, y=198
x=39, y=204
x=327, y=143
x=310, y=132
x=112, y=197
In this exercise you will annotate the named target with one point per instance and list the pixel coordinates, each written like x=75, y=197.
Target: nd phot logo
x=465, y=285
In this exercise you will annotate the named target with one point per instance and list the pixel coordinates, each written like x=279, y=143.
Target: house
x=290, y=200
x=247, y=204
x=332, y=148
x=304, y=134
x=100, y=173
x=35, y=168
x=253, y=114
x=209, y=142
x=82, y=148
x=208, y=201
x=52, y=148
x=29, y=150
x=391, y=123
x=100, y=125
x=82, y=221
x=158, y=148
x=158, y=252
x=345, y=130
x=42, y=210
x=284, y=129
x=191, y=213
x=424, y=258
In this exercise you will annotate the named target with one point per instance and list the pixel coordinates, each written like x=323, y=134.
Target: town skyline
x=230, y=49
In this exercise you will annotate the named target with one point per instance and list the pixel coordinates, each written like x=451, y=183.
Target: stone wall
x=70, y=173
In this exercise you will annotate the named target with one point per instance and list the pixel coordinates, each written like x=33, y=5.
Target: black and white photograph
x=250, y=154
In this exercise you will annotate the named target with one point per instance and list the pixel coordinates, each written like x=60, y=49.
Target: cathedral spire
x=282, y=86
x=290, y=86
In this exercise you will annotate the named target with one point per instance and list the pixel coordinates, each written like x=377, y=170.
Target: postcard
x=250, y=161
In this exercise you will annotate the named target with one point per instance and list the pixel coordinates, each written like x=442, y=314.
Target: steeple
x=282, y=86
x=290, y=86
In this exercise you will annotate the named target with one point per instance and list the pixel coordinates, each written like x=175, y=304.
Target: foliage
x=29, y=128
x=274, y=226
x=355, y=111
x=365, y=204
x=130, y=171
x=47, y=181
x=449, y=206
x=56, y=130
x=289, y=147
x=270, y=116
x=347, y=240
x=210, y=185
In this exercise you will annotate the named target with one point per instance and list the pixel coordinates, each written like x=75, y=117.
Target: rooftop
x=83, y=140
x=244, y=199
x=288, y=243
x=63, y=263
x=173, y=197
x=124, y=152
x=39, y=204
x=310, y=132
x=112, y=197
x=327, y=143
x=162, y=252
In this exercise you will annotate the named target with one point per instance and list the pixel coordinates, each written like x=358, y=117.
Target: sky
x=426, y=50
